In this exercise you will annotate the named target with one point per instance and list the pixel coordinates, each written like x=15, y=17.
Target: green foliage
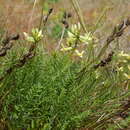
x=64, y=89
x=46, y=95
x=56, y=31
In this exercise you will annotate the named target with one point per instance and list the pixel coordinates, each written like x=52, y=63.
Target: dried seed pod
x=50, y=11
x=45, y=19
x=67, y=15
x=6, y=41
x=65, y=23
x=2, y=52
x=15, y=37
x=105, y=61
x=123, y=115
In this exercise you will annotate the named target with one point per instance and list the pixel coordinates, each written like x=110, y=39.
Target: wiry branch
x=7, y=44
x=21, y=62
x=105, y=61
x=117, y=32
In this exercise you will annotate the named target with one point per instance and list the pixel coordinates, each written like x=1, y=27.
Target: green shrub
x=76, y=86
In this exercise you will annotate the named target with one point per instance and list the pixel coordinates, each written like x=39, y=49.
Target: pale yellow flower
x=73, y=34
x=66, y=48
x=86, y=38
x=124, y=61
x=127, y=76
x=36, y=35
x=76, y=28
x=122, y=54
x=120, y=69
x=97, y=74
x=129, y=67
x=128, y=57
x=80, y=54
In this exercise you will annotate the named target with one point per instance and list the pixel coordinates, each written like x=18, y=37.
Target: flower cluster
x=73, y=34
x=124, y=64
x=36, y=35
x=74, y=39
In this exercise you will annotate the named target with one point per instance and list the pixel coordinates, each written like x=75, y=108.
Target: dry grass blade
x=79, y=14
x=29, y=23
x=120, y=113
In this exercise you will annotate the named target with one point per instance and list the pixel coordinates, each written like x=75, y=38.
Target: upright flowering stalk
x=73, y=34
x=75, y=39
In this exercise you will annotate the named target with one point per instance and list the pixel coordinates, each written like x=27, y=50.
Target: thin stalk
x=34, y=4
x=62, y=35
x=100, y=18
x=79, y=14
x=41, y=19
